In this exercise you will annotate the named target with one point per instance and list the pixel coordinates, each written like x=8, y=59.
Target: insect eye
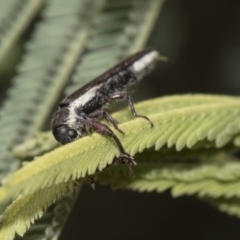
x=72, y=133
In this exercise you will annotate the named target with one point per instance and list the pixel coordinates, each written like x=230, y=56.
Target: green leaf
x=45, y=69
x=59, y=37
x=41, y=143
x=14, y=19
x=218, y=178
x=26, y=209
x=59, y=42
x=230, y=206
x=122, y=28
x=95, y=152
x=44, y=141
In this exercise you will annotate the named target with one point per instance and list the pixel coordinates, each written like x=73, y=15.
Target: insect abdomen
x=141, y=67
x=132, y=73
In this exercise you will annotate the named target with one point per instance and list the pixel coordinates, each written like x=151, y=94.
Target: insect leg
x=91, y=181
x=107, y=117
x=125, y=95
x=105, y=130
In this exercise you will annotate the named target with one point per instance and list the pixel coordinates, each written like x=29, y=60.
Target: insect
x=80, y=113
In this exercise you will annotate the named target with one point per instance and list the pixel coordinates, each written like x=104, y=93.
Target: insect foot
x=125, y=158
x=92, y=181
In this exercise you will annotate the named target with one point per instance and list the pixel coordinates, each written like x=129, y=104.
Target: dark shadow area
x=130, y=215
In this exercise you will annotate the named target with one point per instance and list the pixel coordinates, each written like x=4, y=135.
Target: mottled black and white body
x=81, y=112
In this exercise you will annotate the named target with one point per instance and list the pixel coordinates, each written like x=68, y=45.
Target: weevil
x=81, y=112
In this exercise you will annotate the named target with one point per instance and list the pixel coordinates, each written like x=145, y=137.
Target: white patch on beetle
x=143, y=62
x=72, y=117
x=75, y=121
x=85, y=98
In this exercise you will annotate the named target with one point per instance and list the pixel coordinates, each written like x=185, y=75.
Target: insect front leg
x=126, y=96
x=107, y=117
x=103, y=129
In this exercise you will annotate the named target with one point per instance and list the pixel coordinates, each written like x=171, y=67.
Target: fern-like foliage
x=14, y=19
x=175, y=127
x=204, y=178
x=122, y=28
x=24, y=210
x=15, y=16
x=66, y=33
x=40, y=143
x=230, y=206
x=189, y=149
x=188, y=123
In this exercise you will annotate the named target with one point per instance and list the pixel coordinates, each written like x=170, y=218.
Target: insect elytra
x=81, y=112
